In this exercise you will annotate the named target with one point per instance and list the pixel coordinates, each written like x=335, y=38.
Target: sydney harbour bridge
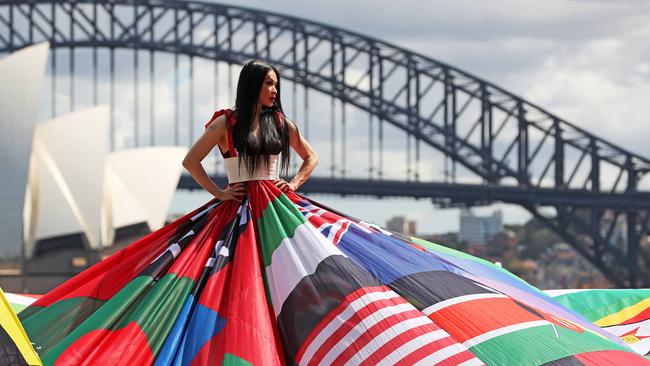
x=386, y=121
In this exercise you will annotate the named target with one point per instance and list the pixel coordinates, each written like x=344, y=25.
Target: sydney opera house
x=66, y=200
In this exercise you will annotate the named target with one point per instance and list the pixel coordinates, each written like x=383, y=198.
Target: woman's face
x=269, y=90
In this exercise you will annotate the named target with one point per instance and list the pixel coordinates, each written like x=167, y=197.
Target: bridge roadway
x=470, y=194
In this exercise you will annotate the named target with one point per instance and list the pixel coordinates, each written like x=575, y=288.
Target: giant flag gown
x=279, y=279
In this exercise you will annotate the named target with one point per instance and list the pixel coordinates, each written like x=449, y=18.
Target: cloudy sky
x=588, y=61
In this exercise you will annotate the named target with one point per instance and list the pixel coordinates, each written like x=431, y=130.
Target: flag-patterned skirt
x=280, y=279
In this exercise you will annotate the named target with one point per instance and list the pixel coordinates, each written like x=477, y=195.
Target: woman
x=261, y=275
x=261, y=129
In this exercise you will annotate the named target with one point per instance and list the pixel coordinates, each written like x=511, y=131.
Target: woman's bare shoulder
x=217, y=125
x=290, y=123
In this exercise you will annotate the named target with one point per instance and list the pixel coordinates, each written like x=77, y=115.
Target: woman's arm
x=306, y=152
x=214, y=134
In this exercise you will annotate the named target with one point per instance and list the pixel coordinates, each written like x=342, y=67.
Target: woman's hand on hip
x=284, y=186
x=235, y=191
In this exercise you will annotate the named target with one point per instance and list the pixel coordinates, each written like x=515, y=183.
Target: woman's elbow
x=187, y=163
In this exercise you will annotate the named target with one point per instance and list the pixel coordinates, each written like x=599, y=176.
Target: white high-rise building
x=478, y=230
x=401, y=224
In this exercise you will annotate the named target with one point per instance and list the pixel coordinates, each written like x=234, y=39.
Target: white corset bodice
x=263, y=172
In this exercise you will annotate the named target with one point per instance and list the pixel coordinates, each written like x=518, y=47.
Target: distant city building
x=615, y=226
x=401, y=225
x=562, y=267
x=478, y=230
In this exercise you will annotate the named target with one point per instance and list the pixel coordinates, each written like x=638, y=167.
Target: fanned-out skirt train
x=280, y=279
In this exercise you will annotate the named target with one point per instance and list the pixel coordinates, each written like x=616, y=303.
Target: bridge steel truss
x=582, y=186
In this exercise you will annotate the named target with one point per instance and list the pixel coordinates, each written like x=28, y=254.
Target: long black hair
x=274, y=134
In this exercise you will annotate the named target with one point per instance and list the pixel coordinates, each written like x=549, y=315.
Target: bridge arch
x=510, y=143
